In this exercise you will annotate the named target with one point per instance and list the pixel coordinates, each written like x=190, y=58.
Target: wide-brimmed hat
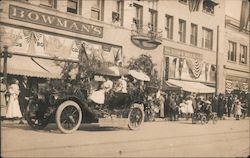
x=208, y=102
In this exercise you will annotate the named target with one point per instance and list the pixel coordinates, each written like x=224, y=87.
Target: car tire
x=135, y=117
x=68, y=117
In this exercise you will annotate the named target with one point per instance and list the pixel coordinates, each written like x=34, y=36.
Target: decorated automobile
x=72, y=103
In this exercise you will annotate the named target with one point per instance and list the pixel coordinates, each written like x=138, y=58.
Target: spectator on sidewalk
x=215, y=103
x=23, y=97
x=230, y=102
x=190, y=109
x=238, y=109
x=13, y=108
x=221, y=105
x=162, y=100
x=172, y=105
x=3, y=92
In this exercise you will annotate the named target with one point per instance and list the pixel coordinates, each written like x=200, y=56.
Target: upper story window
x=231, y=51
x=48, y=3
x=72, y=6
x=117, y=15
x=138, y=19
x=153, y=20
x=97, y=10
x=183, y=1
x=182, y=30
x=207, y=38
x=169, y=26
x=208, y=6
x=243, y=54
x=194, y=34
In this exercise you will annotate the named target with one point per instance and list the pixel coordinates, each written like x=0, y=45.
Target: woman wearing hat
x=3, y=91
x=13, y=109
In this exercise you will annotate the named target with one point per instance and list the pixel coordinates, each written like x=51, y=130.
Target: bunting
x=244, y=87
x=229, y=86
x=195, y=68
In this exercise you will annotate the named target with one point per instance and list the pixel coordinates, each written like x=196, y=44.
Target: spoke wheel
x=135, y=118
x=68, y=117
x=35, y=116
x=215, y=119
x=203, y=119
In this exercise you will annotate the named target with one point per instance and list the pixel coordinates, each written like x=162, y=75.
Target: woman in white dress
x=13, y=108
x=190, y=109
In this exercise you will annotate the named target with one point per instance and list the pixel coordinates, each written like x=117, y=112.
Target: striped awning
x=189, y=86
x=33, y=67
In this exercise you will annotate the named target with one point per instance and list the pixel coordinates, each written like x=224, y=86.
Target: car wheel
x=203, y=119
x=135, y=117
x=35, y=116
x=68, y=117
x=215, y=119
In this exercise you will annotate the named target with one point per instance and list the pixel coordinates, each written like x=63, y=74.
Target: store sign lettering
x=181, y=53
x=35, y=17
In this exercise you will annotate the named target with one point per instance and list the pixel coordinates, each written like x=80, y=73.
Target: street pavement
x=227, y=138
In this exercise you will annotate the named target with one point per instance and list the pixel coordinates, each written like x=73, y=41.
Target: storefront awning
x=33, y=67
x=188, y=86
x=170, y=87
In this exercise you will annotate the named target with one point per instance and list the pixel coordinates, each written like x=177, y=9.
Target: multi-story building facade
x=184, y=45
x=236, y=68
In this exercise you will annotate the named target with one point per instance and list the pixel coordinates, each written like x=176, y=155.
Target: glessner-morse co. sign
x=35, y=17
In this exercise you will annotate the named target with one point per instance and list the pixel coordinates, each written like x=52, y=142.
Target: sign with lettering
x=181, y=53
x=35, y=17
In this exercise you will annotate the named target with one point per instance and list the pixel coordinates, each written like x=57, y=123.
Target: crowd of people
x=175, y=105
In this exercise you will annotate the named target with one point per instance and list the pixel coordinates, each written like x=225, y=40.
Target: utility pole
x=217, y=61
x=5, y=55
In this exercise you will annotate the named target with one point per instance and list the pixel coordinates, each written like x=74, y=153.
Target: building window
x=183, y=1
x=169, y=26
x=48, y=3
x=138, y=19
x=72, y=6
x=117, y=15
x=208, y=6
x=153, y=20
x=243, y=54
x=182, y=30
x=207, y=38
x=97, y=10
x=232, y=51
x=193, y=36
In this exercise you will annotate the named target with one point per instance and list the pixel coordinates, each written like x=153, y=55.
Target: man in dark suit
x=23, y=95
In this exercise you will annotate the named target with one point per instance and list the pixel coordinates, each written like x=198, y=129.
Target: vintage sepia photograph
x=125, y=78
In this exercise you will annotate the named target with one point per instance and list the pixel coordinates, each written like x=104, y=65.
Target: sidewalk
x=183, y=119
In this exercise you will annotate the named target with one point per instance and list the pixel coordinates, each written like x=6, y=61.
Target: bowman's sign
x=35, y=17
